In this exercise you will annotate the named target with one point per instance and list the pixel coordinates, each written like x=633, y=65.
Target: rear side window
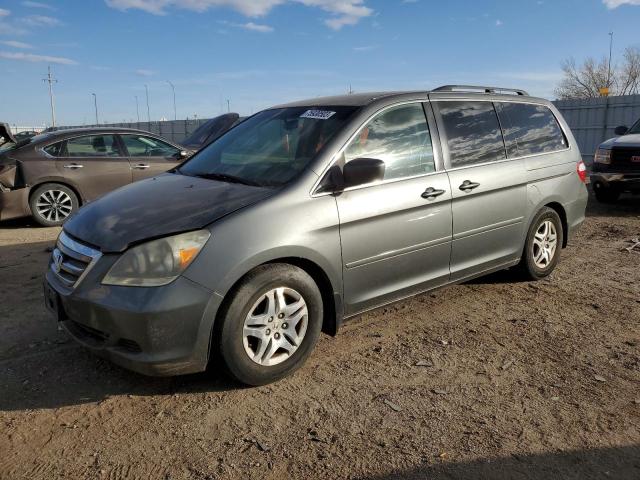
x=94, y=146
x=530, y=129
x=400, y=138
x=141, y=146
x=472, y=131
x=54, y=150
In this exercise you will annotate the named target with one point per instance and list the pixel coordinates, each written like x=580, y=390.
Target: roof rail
x=474, y=88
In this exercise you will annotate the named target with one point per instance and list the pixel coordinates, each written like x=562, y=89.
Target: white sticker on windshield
x=318, y=114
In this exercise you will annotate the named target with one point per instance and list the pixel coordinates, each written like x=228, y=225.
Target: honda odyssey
x=310, y=213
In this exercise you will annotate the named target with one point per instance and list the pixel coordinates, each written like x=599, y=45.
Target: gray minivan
x=310, y=213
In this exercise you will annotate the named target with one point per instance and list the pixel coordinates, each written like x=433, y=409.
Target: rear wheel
x=543, y=245
x=606, y=194
x=52, y=203
x=270, y=325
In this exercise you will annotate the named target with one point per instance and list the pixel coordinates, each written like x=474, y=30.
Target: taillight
x=582, y=171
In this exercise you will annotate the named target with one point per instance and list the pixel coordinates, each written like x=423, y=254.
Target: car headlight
x=602, y=156
x=158, y=262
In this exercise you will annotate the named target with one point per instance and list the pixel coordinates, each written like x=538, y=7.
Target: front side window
x=141, y=146
x=472, y=131
x=532, y=128
x=270, y=148
x=400, y=138
x=93, y=146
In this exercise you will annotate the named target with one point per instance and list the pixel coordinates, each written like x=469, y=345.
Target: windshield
x=635, y=128
x=270, y=148
x=214, y=126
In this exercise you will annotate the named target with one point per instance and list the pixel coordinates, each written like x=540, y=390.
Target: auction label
x=318, y=114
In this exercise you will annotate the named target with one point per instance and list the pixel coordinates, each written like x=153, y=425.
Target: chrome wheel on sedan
x=52, y=203
x=275, y=326
x=545, y=244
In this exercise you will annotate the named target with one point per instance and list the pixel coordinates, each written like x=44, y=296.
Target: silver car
x=310, y=213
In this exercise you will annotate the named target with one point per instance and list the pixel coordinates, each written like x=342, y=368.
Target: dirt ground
x=491, y=379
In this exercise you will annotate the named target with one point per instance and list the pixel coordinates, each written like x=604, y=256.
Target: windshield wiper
x=224, y=177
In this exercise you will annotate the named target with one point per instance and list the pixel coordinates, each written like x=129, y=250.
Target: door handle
x=73, y=166
x=467, y=186
x=140, y=166
x=431, y=193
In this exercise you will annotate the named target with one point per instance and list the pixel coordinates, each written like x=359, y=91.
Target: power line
x=50, y=80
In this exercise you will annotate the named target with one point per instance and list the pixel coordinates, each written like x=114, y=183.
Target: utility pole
x=175, y=114
x=137, y=109
x=50, y=80
x=228, y=106
x=146, y=89
x=95, y=104
x=610, y=54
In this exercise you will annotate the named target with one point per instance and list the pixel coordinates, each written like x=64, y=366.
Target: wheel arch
x=332, y=301
x=559, y=209
x=62, y=182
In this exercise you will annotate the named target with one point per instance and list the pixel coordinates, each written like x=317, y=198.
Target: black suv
x=616, y=165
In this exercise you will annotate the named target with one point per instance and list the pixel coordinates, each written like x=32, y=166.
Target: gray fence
x=174, y=130
x=592, y=120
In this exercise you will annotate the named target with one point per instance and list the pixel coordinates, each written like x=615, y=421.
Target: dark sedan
x=51, y=175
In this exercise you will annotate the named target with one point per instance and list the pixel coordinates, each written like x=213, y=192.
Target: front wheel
x=52, y=203
x=543, y=245
x=270, y=325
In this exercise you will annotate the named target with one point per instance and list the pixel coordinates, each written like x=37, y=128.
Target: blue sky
x=257, y=53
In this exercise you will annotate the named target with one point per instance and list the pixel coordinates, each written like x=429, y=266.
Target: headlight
x=158, y=262
x=602, y=156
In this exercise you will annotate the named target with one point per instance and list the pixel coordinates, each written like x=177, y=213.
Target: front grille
x=621, y=159
x=72, y=260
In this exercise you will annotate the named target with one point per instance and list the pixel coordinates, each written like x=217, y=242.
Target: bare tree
x=586, y=80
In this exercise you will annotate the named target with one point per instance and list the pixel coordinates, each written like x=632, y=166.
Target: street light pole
x=146, y=89
x=95, y=104
x=51, y=81
x=137, y=109
x=173, y=88
x=610, y=54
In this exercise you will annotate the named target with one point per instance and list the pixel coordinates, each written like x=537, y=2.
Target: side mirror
x=621, y=130
x=361, y=171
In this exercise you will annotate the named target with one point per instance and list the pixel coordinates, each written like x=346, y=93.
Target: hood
x=632, y=140
x=156, y=207
x=5, y=134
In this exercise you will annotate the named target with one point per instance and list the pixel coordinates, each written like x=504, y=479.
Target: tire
x=52, y=203
x=254, y=309
x=606, y=194
x=541, y=255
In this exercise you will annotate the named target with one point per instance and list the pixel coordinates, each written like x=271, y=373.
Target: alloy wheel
x=275, y=326
x=54, y=205
x=545, y=244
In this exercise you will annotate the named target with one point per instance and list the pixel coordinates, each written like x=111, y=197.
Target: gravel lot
x=491, y=379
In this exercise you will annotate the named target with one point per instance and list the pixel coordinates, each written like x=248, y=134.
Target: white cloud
x=29, y=57
x=611, y=4
x=7, y=28
x=16, y=44
x=254, y=27
x=343, y=12
x=37, y=5
x=499, y=23
x=4, y=12
x=41, y=21
x=143, y=72
x=365, y=48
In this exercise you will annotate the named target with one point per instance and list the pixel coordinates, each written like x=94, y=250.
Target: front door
x=95, y=164
x=489, y=192
x=149, y=156
x=396, y=234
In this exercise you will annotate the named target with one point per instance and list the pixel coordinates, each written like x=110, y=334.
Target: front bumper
x=158, y=331
x=624, y=181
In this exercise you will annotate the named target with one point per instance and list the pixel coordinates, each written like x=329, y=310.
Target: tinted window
x=272, y=147
x=54, y=150
x=400, y=138
x=141, y=146
x=472, y=131
x=531, y=128
x=93, y=146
